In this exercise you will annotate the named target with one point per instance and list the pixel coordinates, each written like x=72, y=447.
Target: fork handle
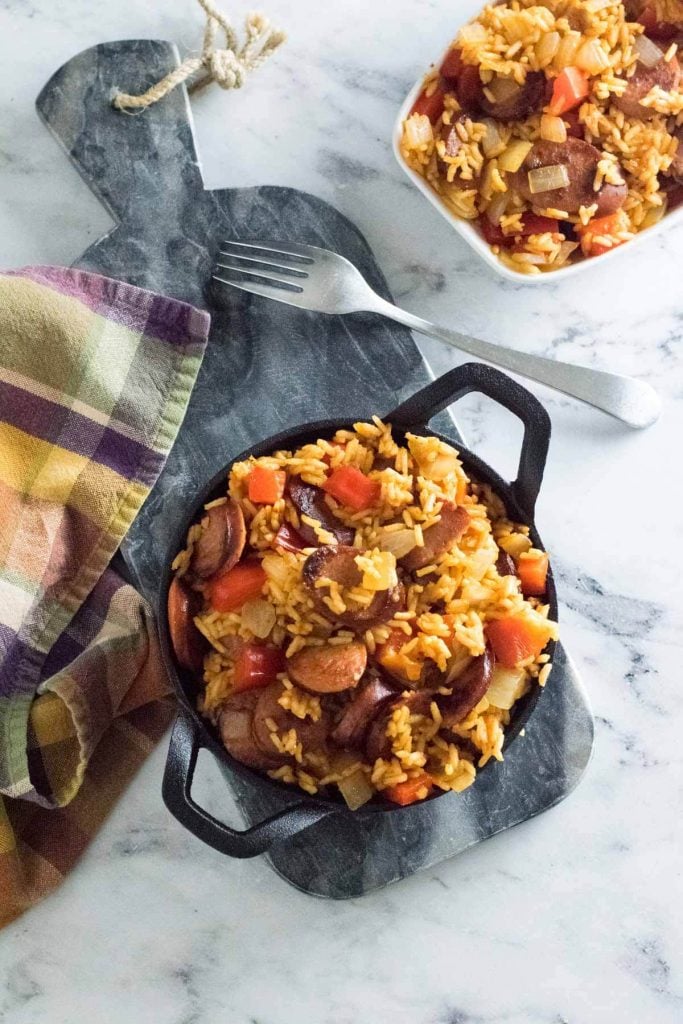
x=630, y=400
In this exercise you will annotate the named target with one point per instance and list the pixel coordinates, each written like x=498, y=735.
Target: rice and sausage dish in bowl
x=360, y=614
x=555, y=127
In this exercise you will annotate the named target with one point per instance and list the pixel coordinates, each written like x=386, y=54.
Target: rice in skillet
x=377, y=624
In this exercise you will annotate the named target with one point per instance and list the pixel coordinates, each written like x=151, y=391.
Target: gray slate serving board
x=268, y=367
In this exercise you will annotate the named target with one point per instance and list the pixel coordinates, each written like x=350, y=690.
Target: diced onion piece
x=445, y=463
x=648, y=52
x=553, y=129
x=419, y=130
x=356, y=790
x=515, y=25
x=506, y=686
x=275, y=567
x=547, y=47
x=497, y=207
x=258, y=617
x=654, y=215
x=565, y=251
x=472, y=33
x=566, y=51
x=493, y=140
x=514, y=156
x=598, y=5
x=535, y=259
x=514, y=544
x=504, y=89
x=547, y=179
x=591, y=57
x=398, y=542
x=480, y=561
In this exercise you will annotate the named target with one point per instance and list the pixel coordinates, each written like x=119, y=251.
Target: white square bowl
x=471, y=235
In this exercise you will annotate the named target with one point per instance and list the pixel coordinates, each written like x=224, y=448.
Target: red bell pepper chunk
x=452, y=67
x=289, y=539
x=596, y=249
x=598, y=226
x=570, y=88
x=493, y=233
x=431, y=105
x=533, y=574
x=266, y=486
x=532, y=224
x=515, y=639
x=410, y=791
x=469, y=88
x=352, y=488
x=227, y=593
x=257, y=666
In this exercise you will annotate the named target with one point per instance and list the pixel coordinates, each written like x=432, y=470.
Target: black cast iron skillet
x=191, y=731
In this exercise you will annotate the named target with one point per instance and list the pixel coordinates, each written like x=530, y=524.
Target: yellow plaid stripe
x=51, y=721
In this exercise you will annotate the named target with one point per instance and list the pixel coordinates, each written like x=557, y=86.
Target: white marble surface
x=574, y=917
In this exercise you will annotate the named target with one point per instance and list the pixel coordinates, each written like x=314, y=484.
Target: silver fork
x=323, y=281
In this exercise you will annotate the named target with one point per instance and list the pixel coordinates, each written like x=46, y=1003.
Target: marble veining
x=573, y=916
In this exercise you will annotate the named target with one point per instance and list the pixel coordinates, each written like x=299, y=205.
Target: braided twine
x=227, y=66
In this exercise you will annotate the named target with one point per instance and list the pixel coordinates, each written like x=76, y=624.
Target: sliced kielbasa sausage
x=236, y=728
x=220, y=546
x=330, y=668
x=188, y=643
x=357, y=716
x=339, y=564
x=312, y=735
x=642, y=81
x=468, y=689
x=581, y=160
x=438, y=538
x=310, y=501
x=518, y=103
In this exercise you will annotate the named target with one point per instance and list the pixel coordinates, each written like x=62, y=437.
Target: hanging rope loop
x=228, y=66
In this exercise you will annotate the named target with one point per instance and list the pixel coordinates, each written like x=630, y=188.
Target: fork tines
x=279, y=269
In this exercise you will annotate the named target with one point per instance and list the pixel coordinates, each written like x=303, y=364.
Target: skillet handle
x=418, y=410
x=176, y=792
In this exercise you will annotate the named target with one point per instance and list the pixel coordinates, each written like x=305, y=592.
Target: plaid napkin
x=95, y=377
